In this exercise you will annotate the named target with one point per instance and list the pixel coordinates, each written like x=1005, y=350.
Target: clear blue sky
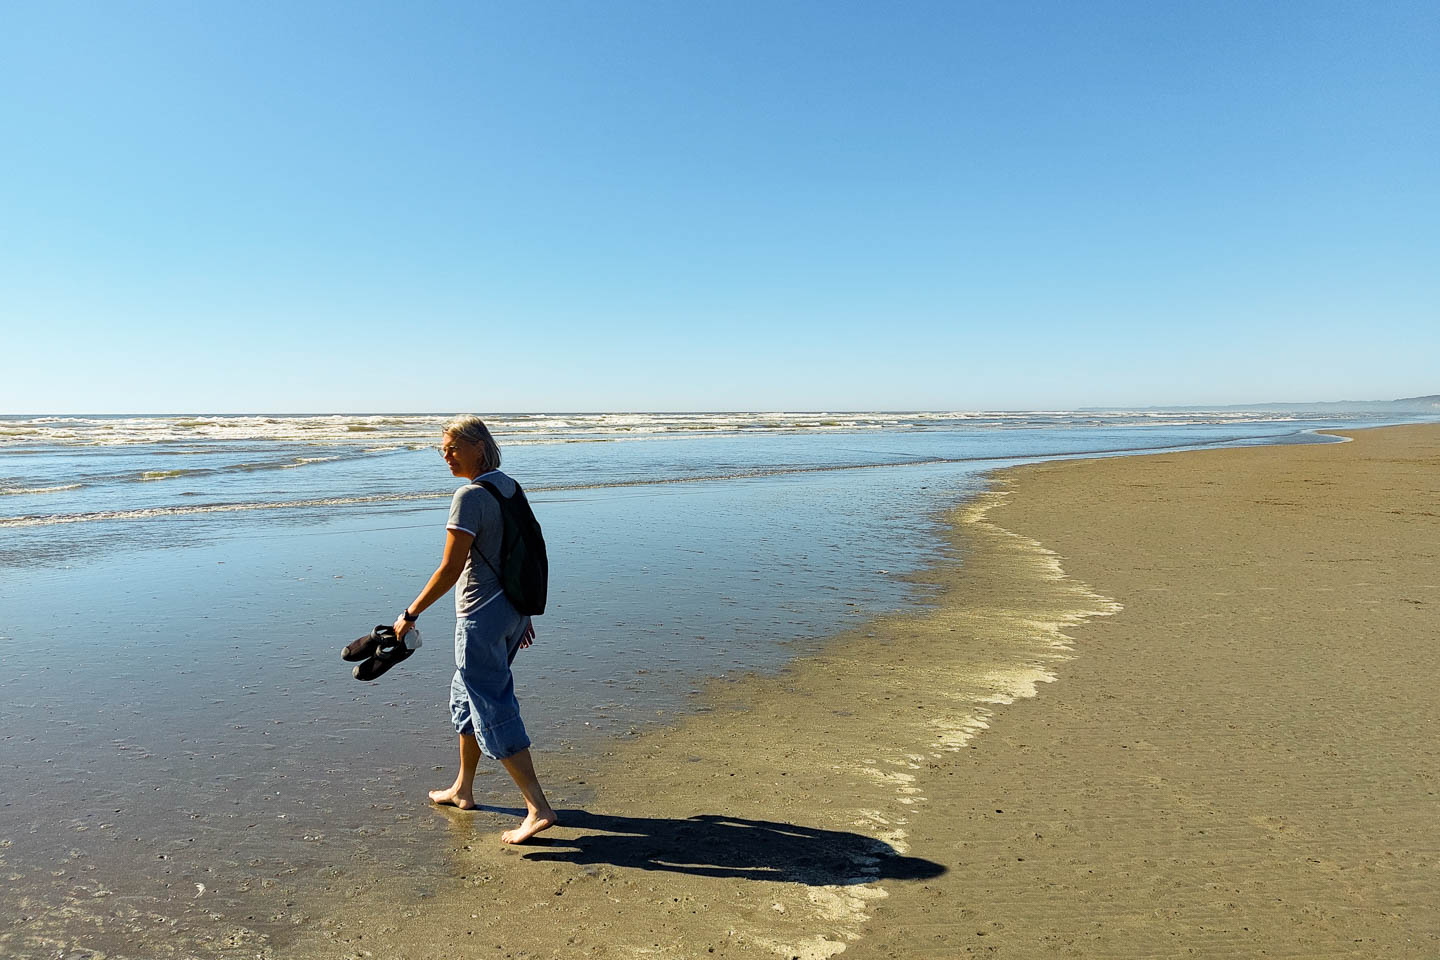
x=310, y=206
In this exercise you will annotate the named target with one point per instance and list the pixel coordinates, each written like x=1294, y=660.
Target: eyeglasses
x=446, y=449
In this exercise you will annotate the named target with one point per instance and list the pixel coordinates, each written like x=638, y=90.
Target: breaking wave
x=424, y=429
x=21, y=491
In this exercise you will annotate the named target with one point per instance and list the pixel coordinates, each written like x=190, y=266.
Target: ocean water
x=182, y=752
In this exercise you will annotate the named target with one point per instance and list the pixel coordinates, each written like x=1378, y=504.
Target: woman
x=488, y=630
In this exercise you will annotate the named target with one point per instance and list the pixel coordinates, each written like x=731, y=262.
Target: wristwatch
x=409, y=617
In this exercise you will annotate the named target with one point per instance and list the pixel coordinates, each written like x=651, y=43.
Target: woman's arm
x=457, y=550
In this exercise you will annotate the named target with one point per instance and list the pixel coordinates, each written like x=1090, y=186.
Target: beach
x=1244, y=762
x=1164, y=705
x=1136, y=705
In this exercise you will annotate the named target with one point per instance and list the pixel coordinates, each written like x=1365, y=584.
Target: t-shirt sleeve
x=465, y=510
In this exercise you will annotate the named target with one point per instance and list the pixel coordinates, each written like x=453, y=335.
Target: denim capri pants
x=482, y=694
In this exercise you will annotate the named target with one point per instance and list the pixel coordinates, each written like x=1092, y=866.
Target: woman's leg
x=483, y=702
x=539, y=814
x=462, y=792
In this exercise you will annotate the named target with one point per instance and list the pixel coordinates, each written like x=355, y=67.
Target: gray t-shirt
x=475, y=511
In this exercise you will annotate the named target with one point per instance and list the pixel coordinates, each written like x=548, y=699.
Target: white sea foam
x=19, y=491
x=410, y=430
x=152, y=513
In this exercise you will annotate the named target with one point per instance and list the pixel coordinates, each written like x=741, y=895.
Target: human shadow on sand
x=720, y=846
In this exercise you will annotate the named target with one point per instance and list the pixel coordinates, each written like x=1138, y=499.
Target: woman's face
x=461, y=456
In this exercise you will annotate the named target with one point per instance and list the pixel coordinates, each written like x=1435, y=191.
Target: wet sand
x=1239, y=757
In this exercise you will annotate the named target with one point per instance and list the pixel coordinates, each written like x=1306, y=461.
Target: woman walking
x=488, y=629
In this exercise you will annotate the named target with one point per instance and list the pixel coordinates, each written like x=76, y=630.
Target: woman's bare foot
x=453, y=797
x=533, y=824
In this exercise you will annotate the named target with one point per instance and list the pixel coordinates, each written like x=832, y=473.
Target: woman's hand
x=402, y=626
x=528, y=637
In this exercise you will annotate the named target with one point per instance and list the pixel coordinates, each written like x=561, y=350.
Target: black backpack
x=524, y=571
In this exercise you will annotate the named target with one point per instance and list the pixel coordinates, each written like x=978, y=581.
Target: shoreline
x=846, y=804
x=681, y=823
x=1241, y=764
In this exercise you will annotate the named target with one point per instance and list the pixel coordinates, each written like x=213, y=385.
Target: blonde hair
x=472, y=429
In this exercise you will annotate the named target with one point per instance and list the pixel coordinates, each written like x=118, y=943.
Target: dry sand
x=1243, y=762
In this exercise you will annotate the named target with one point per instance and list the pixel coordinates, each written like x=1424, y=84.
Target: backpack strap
x=494, y=492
